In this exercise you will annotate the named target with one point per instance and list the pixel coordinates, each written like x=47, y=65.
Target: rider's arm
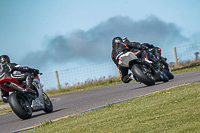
x=24, y=69
x=148, y=45
x=136, y=45
x=113, y=56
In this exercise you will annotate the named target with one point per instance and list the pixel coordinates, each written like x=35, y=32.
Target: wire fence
x=87, y=73
x=70, y=77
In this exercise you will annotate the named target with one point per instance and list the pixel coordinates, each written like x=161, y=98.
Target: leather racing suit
x=7, y=71
x=121, y=48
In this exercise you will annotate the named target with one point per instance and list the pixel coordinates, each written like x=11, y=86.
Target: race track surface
x=77, y=102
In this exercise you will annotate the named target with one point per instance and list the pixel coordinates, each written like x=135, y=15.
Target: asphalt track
x=78, y=102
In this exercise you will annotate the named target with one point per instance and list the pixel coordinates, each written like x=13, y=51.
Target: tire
x=20, y=105
x=165, y=77
x=169, y=74
x=147, y=80
x=47, y=103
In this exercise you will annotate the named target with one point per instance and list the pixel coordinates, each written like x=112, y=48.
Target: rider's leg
x=29, y=79
x=29, y=86
x=4, y=95
x=156, y=52
x=125, y=77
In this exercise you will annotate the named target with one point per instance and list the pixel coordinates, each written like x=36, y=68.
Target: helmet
x=4, y=59
x=117, y=40
x=125, y=39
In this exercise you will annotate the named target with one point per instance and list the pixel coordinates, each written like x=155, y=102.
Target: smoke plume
x=94, y=45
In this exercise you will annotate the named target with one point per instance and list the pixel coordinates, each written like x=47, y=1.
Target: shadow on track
x=157, y=83
x=41, y=114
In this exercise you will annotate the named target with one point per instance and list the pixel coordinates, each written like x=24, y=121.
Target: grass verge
x=5, y=110
x=172, y=110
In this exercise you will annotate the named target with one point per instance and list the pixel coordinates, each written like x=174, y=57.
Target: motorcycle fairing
x=124, y=59
x=38, y=103
x=5, y=87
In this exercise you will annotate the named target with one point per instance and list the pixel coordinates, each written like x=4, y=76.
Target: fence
x=81, y=74
x=91, y=72
x=98, y=71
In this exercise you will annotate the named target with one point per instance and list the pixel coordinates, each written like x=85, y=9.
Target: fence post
x=57, y=79
x=175, y=56
x=196, y=55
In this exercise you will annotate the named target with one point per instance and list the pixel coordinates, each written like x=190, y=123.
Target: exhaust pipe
x=14, y=86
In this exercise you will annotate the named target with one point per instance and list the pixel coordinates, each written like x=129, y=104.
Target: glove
x=144, y=47
x=25, y=69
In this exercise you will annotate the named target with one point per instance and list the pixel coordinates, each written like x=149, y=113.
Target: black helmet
x=4, y=59
x=125, y=39
x=117, y=40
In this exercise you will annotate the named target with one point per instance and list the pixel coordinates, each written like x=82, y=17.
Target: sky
x=60, y=34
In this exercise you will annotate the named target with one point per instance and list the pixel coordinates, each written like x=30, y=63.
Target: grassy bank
x=173, y=110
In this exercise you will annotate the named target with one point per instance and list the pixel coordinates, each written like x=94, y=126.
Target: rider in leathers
x=6, y=71
x=120, y=47
x=154, y=50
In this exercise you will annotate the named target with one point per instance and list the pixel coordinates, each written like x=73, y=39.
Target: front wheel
x=165, y=77
x=47, y=103
x=20, y=105
x=169, y=74
x=143, y=75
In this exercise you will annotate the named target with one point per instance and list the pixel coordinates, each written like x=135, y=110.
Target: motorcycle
x=166, y=69
x=141, y=71
x=23, y=103
x=162, y=62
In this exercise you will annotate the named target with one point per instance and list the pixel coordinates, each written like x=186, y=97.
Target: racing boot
x=29, y=86
x=30, y=90
x=5, y=99
x=127, y=78
x=4, y=95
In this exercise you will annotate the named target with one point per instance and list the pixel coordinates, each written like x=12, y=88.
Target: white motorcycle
x=142, y=73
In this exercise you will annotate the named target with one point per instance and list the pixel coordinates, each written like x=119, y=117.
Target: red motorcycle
x=23, y=103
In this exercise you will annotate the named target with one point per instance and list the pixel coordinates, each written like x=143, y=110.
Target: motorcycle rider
x=6, y=71
x=120, y=47
x=154, y=50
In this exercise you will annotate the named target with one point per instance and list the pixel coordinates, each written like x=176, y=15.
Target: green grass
x=169, y=111
x=5, y=110
x=1, y=102
x=191, y=67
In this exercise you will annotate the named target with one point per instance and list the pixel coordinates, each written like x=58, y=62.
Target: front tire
x=165, y=77
x=170, y=75
x=146, y=78
x=47, y=103
x=20, y=105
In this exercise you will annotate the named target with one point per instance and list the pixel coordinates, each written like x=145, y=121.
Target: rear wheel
x=143, y=75
x=20, y=105
x=47, y=103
